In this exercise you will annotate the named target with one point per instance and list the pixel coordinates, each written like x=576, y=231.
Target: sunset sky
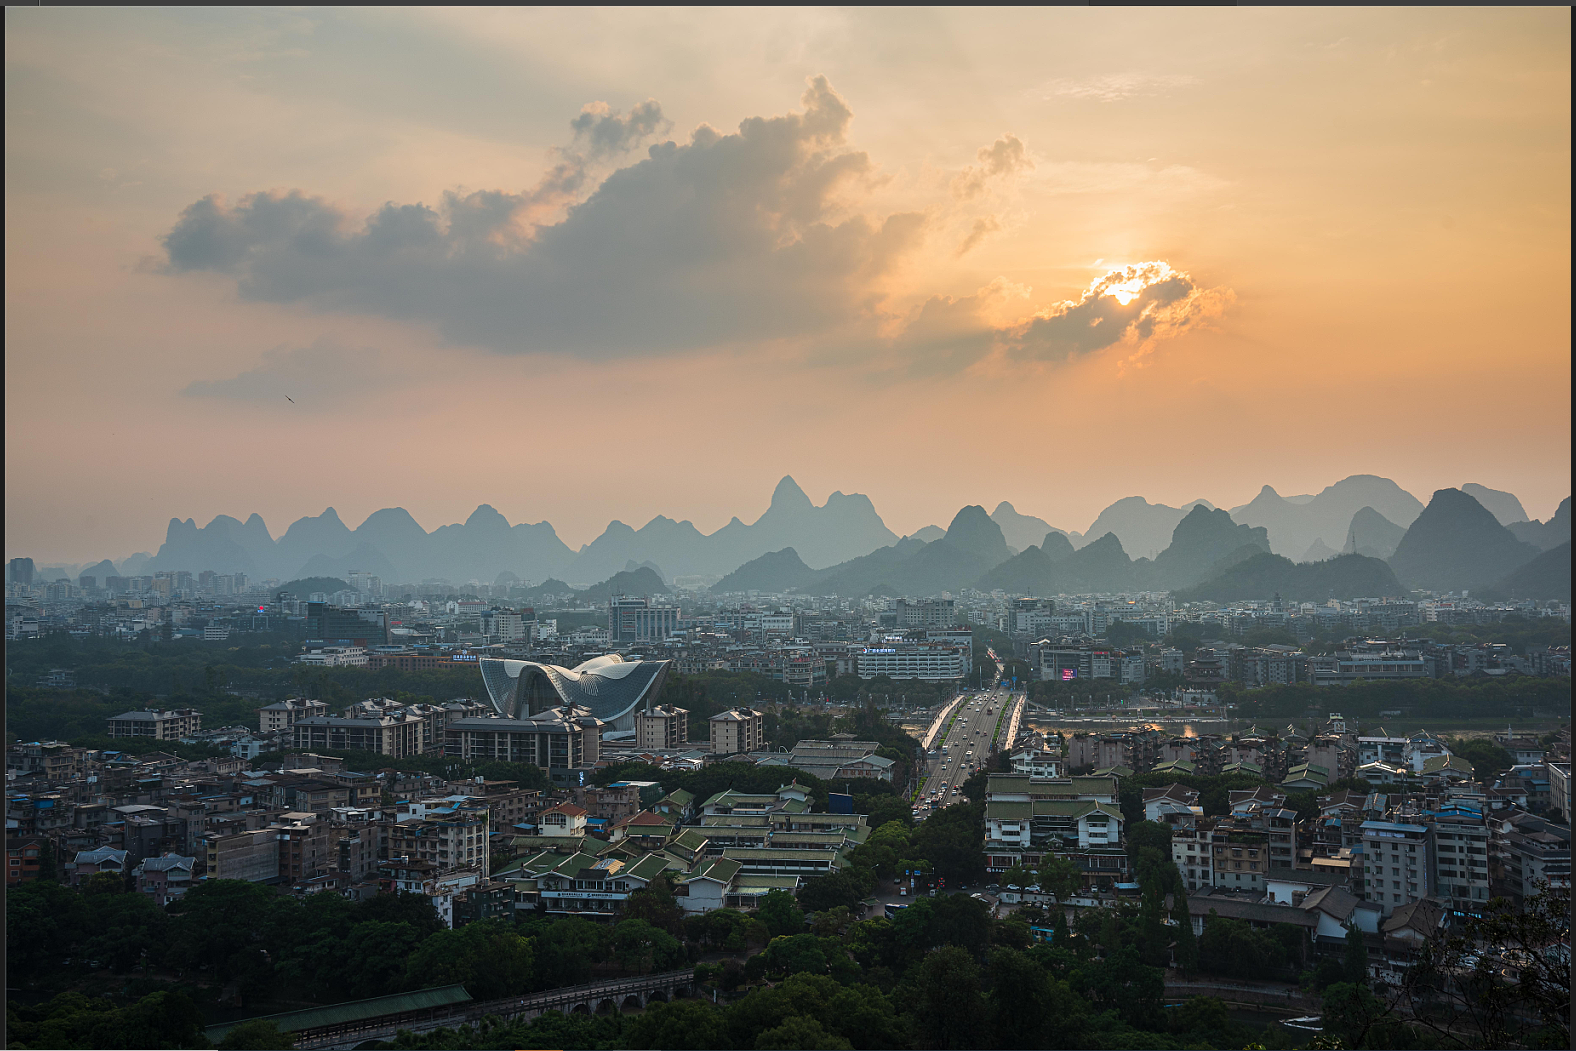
x=585, y=265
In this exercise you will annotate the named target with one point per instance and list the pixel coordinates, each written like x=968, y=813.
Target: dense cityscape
x=788, y=528
x=725, y=793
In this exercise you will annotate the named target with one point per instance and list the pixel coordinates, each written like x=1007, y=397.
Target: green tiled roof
x=692, y=839
x=648, y=867
x=768, y=854
x=1008, y=811
x=745, y=884
x=720, y=869
x=354, y=1011
x=831, y=836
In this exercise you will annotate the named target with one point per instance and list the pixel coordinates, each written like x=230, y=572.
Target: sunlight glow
x=1124, y=285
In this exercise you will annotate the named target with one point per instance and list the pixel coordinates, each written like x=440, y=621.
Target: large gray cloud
x=728, y=237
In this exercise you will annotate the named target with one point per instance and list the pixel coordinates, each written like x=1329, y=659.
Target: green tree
x=681, y=1024
x=799, y=1033
x=567, y=949
x=951, y=841
x=949, y=1009
x=781, y=913
x=838, y=890
x=1060, y=877
x=643, y=948
x=1186, y=941
x=48, y=868
x=1233, y=948
x=1355, y=962
x=162, y=1019
x=489, y=958
x=257, y=1035
x=1019, y=1001
x=655, y=904
x=795, y=954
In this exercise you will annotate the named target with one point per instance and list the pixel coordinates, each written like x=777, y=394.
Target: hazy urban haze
x=597, y=265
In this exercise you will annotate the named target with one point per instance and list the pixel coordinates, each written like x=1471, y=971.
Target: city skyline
x=1321, y=238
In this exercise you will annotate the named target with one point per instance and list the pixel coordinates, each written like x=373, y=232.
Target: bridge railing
x=351, y=1033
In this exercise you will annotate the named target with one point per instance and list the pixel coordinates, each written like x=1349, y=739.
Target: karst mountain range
x=1364, y=535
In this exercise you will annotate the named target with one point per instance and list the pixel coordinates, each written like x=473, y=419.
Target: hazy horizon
x=586, y=265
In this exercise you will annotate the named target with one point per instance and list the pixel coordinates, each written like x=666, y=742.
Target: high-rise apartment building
x=162, y=726
x=1396, y=867
x=662, y=727
x=637, y=620
x=20, y=571
x=736, y=730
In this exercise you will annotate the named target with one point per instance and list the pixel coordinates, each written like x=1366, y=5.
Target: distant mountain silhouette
x=1455, y=544
x=1200, y=540
x=773, y=572
x=1140, y=525
x=396, y=548
x=844, y=527
x=1265, y=575
x=216, y=546
x=1372, y=534
x=1030, y=572
x=1504, y=506
x=632, y=565
x=363, y=557
x=1057, y=546
x=310, y=537
x=1318, y=551
x=1546, y=577
x=1547, y=535
x=1023, y=531
x=972, y=545
x=845, y=543
x=638, y=584
x=1294, y=523
x=99, y=571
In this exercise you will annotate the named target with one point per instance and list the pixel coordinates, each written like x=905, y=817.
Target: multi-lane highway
x=962, y=749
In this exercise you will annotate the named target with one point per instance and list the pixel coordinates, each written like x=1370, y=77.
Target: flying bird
x=289, y=399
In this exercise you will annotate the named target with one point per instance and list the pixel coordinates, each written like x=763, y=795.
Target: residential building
x=397, y=733
x=283, y=714
x=661, y=727
x=558, y=740
x=736, y=730
x=454, y=841
x=1038, y=762
x=22, y=860
x=1396, y=863
x=248, y=855
x=101, y=859
x=162, y=726
x=165, y=878
x=1461, y=861
x=925, y=613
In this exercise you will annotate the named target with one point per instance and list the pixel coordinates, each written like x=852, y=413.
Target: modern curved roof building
x=610, y=687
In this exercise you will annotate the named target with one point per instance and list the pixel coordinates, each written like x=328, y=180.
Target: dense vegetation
x=1467, y=698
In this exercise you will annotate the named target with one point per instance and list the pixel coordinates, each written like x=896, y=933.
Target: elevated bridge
x=340, y=1027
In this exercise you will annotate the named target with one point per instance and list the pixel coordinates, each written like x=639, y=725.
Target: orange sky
x=879, y=288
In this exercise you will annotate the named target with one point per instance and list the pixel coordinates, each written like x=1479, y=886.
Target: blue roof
x=1393, y=826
